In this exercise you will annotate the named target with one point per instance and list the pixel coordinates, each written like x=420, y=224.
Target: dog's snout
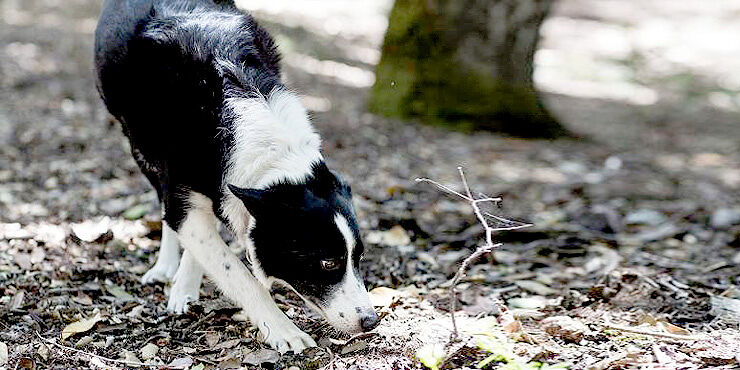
x=369, y=320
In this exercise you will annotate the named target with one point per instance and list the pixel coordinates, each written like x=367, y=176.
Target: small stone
x=532, y=303
x=645, y=217
x=661, y=232
x=565, y=327
x=535, y=287
x=724, y=218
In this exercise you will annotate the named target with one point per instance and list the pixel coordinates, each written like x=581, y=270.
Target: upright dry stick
x=483, y=249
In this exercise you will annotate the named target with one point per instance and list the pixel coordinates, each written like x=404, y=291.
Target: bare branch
x=489, y=245
x=104, y=359
x=445, y=188
x=652, y=333
x=487, y=200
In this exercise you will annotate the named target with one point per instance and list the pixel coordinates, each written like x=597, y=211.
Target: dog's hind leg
x=186, y=284
x=167, y=260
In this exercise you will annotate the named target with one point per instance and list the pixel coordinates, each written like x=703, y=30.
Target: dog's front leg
x=199, y=236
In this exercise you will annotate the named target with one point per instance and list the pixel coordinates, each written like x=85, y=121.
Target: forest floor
x=633, y=259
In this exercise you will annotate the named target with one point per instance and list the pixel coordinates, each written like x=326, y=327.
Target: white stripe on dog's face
x=349, y=303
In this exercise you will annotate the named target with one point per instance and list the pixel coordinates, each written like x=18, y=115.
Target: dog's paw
x=285, y=336
x=178, y=304
x=159, y=273
x=182, y=293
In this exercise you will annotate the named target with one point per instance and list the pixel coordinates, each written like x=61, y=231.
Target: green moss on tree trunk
x=425, y=73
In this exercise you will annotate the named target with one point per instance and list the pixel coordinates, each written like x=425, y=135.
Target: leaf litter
x=624, y=230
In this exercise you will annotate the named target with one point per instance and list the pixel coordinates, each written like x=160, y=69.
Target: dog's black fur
x=169, y=98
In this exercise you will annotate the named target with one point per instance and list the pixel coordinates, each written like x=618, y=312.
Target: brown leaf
x=180, y=363
x=17, y=301
x=212, y=338
x=80, y=326
x=261, y=356
x=509, y=324
x=82, y=299
x=383, y=296
x=227, y=344
x=673, y=329
x=565, y=327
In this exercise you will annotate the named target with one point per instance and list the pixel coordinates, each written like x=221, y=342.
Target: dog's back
x=163, y=69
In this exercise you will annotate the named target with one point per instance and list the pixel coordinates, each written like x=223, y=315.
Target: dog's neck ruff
x=274, y=142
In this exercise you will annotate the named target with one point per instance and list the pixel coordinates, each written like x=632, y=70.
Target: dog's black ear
x=253, y=199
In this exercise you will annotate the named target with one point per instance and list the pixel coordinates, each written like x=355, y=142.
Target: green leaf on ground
x=136, y=212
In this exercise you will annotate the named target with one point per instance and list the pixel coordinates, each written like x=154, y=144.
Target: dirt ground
x=632, y=262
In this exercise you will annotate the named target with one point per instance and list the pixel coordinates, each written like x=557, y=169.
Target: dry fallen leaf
x=565, y=327
x=82, y=299
x=80, y=326
x=395, y=237
x=509, y=324
x=3, y=353
x=261, y=356
x=358, y=345
x=90, y=231
x=383, y=296
x=180, y=363
x=535, y=287
x=97, y=363
x=130, y=357
x=120, y=293
x=149, y=351
x=230, y=363
x=227, y=344
x=17, y=301
x=673, y=329
x=212, y=338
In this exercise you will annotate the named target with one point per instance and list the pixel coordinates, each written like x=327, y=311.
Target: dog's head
x=306, y=236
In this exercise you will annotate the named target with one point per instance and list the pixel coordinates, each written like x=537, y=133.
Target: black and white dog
x=196, y=86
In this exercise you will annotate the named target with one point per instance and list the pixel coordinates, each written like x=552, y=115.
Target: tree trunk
x=464, y=63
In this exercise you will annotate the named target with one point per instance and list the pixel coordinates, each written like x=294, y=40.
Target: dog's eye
x=329, y=265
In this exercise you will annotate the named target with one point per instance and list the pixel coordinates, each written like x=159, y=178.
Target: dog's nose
x=369, y=320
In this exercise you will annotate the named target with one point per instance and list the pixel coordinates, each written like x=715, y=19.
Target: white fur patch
x=186, y=284
x=274, y=141
x=350, y=297
x=167, y=260
x=199, y=236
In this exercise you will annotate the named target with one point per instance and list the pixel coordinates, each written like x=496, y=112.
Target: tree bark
x=466, y=64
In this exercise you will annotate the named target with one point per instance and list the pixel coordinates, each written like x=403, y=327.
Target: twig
x=125, y=362
x=460, y=272
x=487, y=248
x=655, y=334
x=196, y=324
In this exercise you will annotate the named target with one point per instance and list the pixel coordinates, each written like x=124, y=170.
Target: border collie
x=196, y=86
